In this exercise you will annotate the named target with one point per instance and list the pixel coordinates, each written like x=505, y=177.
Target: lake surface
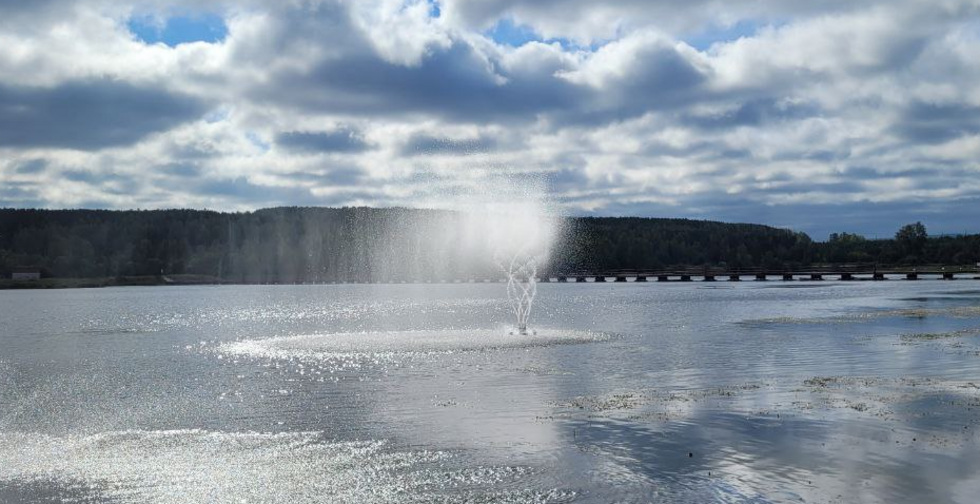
x=750, y=392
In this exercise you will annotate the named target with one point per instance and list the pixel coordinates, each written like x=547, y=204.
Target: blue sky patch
x=257, y=141
x=506, y=32
x=181, y=29
x=702, y=41
x=434, y=9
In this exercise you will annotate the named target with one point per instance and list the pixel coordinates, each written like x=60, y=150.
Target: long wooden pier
x=846, y=273
x=815, y=274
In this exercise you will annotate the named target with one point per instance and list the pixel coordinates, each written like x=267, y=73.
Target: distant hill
x=288, y=245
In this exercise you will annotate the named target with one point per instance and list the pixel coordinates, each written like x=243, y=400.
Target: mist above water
x=471, y=233
x=509, y=223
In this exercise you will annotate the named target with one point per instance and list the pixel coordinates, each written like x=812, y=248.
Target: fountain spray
x=507, y=221
x=522, y=285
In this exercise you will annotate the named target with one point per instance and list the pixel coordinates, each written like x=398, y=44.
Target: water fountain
x=522, y=285
x=520, y=232
x=506, y=227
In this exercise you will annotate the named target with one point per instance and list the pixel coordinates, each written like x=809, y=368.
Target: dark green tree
x=911, y=239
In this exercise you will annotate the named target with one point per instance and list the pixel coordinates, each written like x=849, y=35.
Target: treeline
x=616, y=243
x=289, y=245
x=911, y=246
x=286, y=245
x=653, y=244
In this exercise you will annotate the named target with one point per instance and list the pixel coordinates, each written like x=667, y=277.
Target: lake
x=681, y=392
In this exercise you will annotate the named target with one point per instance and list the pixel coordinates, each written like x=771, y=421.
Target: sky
x=834, y=116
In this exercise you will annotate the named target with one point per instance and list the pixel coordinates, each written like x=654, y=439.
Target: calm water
x=750, y=392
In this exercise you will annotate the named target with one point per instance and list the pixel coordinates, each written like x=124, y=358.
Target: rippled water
x=748, y=392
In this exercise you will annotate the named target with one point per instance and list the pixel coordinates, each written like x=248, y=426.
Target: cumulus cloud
x=862, y=114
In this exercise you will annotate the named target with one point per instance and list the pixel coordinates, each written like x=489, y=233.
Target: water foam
x=393, y=344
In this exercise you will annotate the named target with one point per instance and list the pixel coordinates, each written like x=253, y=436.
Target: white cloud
x=402, y=32
x=841, y=104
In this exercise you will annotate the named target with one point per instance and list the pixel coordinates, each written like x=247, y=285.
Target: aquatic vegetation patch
x=776, y=321
x=919, y=337
x=604, y=403
x=655, y=398
x=840, y=381
x=821, y=381
x=868, y=316
x=908, y=400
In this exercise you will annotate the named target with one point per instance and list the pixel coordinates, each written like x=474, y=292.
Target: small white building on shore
x=25, y=274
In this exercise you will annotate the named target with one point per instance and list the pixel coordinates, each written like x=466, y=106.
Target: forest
x=314, y=245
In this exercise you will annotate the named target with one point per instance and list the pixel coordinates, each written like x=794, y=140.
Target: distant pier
x=701, y=274
x=815, y=274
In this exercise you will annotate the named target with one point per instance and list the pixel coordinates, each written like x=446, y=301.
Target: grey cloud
x=899, y=54
x=805, y=187
x=20, y=196
x=241, y=190
x=238, y=188
x=920, y=173
x=459, y=82
x=345, y=176
x=705, y=150
x=89, y=115
x=753, y=112
x=90, y=177
x=80, y=176
x=455, y=83
x=192, y=152
x=16, y=5
x=292, y=26
x=568, y=179
x=31, y=166
x=108, y=183
x=16, y=10
x=311, y=142
x=730, y=154
x=428, y=145
x=661, y=76
x=923, y=178
x=931, y=123
x=658, y=78
x=184, y=170
x=574, y=179
x=93, y=204
x=823, y=155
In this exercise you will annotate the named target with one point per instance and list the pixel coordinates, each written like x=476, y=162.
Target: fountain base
x=523, y=331
x=372, y=345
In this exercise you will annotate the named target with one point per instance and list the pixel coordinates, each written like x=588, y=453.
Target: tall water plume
x=508, y=222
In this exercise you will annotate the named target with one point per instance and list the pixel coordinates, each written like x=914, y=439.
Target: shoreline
x=99, y=282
